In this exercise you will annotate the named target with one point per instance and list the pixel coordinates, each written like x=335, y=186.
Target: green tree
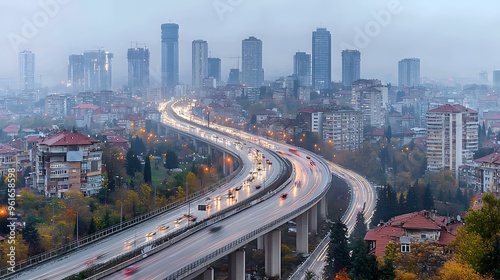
x=386, y=202
x=359, y=231
x=428, y=200
x=147, y=170
x=171, y=160
x=31, y=235
x=92, y=226
x=386, y=271
x=337, y=256
x=412, y=200
x=133, y=164
x=363, y=266
x=310, y=275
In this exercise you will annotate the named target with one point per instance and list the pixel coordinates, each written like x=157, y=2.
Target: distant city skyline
x=388, y=41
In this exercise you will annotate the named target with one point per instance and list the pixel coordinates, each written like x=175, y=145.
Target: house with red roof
x=488, y=173
x=8, y=158
x=408, y=229
x=67, y=160
x=12, y=130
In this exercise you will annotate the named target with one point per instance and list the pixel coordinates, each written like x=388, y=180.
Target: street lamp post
x=315, y=146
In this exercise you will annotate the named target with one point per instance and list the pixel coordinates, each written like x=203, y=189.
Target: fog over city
x=453, y=39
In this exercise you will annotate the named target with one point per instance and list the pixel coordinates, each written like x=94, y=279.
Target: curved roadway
x=113, y=246
x=314, y=181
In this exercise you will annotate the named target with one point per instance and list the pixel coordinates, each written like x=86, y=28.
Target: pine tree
x=133, y=164
x=402, y=204
x=386, y=271
x=412, y=200
x=147, y=170
x=92, y=226
x=428, y=200
x=338, y=252
x=363, y=265
x=171, y=160
x=359, y=231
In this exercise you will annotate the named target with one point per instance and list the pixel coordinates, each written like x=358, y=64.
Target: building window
x=405, y=248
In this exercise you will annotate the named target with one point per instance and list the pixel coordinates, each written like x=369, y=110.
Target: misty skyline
x=452, y=39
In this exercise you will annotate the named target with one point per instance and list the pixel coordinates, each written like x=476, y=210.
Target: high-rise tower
x=138, y=69
x=252, y=73
x=169, y=57
x=26, y=70
x=199, y=63
x=321, y=59
x=409, y=72
x=302, y=68
x=351, y=60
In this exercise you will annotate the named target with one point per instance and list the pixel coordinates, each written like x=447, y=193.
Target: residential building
x=26, y=70
x=368, y=97
x=76, y=73
x=321, y=59
x=487, y=173
x=412, y=228
x=138, y=69
x=409, y=72
x=8, y=159
x=214, y=68
x=343, y=129
x=452, y=137
x=55, y=105
x=169, y=58
x=199, y=63
x=133, y=123
x=252, y=73
x=302, y=68
x=68, y=160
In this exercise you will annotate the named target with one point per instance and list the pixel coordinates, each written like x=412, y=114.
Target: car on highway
x=179, y=220
x=217, y=198
x=151, y=234
x=238, y=188
x=215, y=229
x=308, y=157
x=131, y=269
x=208, y=199
x=284, y=195
x=163, y=227
x=258, y=187
x=129, y=242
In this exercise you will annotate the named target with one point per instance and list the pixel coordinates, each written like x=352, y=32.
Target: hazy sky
x=452, y=38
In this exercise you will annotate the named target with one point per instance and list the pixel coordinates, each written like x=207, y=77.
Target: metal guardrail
x=166, y=241
x=71, y=246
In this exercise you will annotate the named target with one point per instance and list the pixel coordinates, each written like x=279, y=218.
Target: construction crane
x=235, y=57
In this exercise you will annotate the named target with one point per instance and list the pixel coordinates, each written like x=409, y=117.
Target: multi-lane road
x=314, y=182
x=128, y=239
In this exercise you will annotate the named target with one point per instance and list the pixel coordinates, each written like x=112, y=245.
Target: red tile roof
x=11, y=128
x=69, y=138
x=117, y=139
x=491, y=158
x=397, y=226
x=448, y=108
x=6, y=149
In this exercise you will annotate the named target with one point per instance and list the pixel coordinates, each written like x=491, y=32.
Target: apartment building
x=452, y=137
x=487, y=173
x=67, y=160
x=344, y=129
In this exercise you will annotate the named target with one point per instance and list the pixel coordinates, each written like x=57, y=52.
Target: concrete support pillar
x=313, y=219
x=209, y=151
x=237, y=265
x=260, y=243
x=322, y=208
x=224, y=163
x=207, y=275
x=302, y=233
x=195, y=144
x=272, y=254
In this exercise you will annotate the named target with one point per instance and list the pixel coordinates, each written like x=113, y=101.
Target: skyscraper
x=409, y=72
x=138, y=68
x=302, y=68
x=169, y=57
x=97, y=70
x=496, y=80
x=234, y=77
x=214, y=68
x=351, y=60
x=321, y=59
x=199, y=63
x=76, y=76
x=26, y=70
x=252, y=74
